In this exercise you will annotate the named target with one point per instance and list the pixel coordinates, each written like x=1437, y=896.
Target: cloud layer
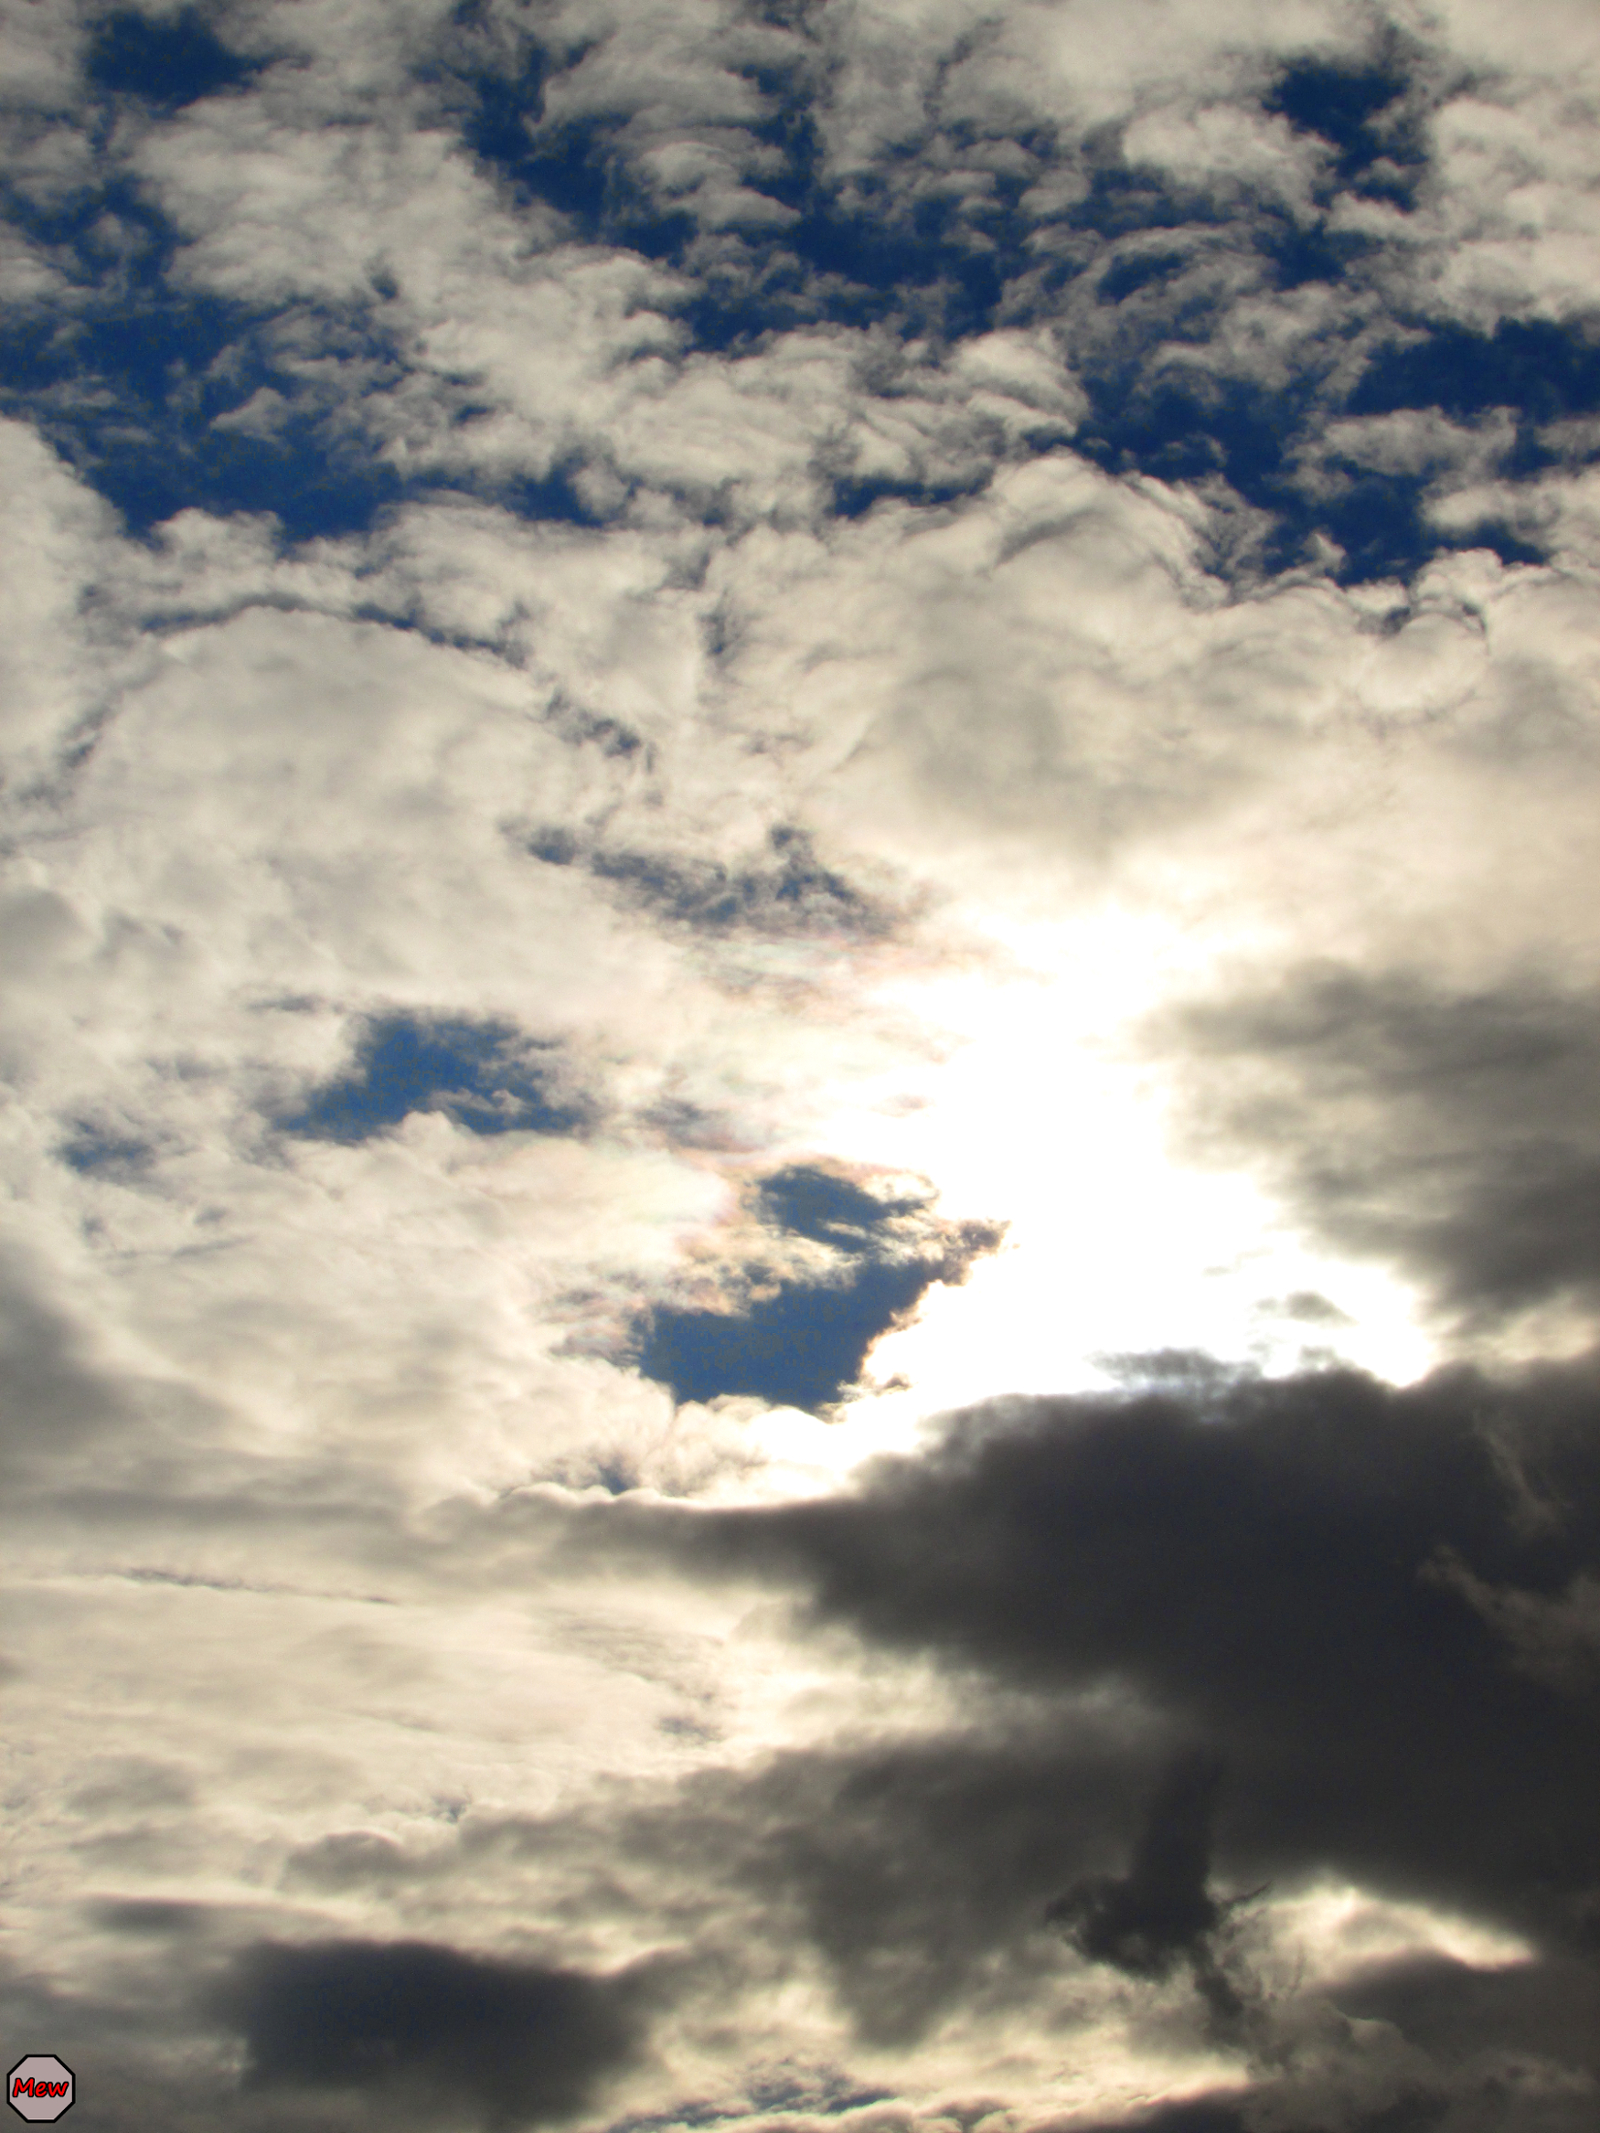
x=797, y=1288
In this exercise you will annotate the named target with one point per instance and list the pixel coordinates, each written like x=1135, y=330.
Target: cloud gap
x=483, y=1075
x=165, y=62
x=800, y=1339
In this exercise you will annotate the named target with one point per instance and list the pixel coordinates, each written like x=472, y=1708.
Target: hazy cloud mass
x=800, y=1064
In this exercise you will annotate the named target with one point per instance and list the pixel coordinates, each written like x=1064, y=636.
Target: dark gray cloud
x=1549, y=2008
x=1196, y=2114
x=204, y=2029
x=1161, y=1912
x=918, y=1871
x=516, y=2044
x=1454, y=1133
x=1314, y=1581
x=1240, y=1621
x=1516, y=2095
x=155, y=1918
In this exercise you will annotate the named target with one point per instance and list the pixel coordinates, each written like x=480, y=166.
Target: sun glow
x=1041, y=1116
x=1335, y=1927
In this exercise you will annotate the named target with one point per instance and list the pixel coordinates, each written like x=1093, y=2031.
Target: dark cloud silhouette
x=918, y=1870
x=516, y=2043
x=1455, y=1133
x=1367, y=1603
x=1161, y=1912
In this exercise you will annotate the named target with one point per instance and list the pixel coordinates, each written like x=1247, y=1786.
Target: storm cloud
x=520, y=2044
x=1452, y=1132
x=1367, y=1612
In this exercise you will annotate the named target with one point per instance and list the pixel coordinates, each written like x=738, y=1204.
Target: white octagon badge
x=39, y=2087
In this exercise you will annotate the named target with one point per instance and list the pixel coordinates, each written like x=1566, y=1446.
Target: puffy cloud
x=853, y=706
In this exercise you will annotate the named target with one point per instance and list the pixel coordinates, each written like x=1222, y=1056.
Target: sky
x=800, y=1263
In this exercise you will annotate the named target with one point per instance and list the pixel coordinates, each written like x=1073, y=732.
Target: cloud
x=786, y=890
x=1267, y=1568
x=910, y=1867
x=1542, y=2009
x=519, y=2044
x=1448, y=1131
x=1184, y=231
x=666, y=668
x=1160, y=1912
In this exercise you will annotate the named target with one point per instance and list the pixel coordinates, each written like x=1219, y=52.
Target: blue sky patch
x=96, y=1152
x=801, y=1347
x=168, y=63
x=484, y=1075
x=789, y=892
x=940, y=266
x=801, y=1341
x=1542, y=370
x=1361, y=113
x=808, y=1201
x=128, y=382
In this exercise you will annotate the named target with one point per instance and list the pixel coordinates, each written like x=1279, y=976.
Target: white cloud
x=282, y=1606
x=1561, y=511
x=41, y=48
x=245, y=178
x=55, y=677
x=1221, y=146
